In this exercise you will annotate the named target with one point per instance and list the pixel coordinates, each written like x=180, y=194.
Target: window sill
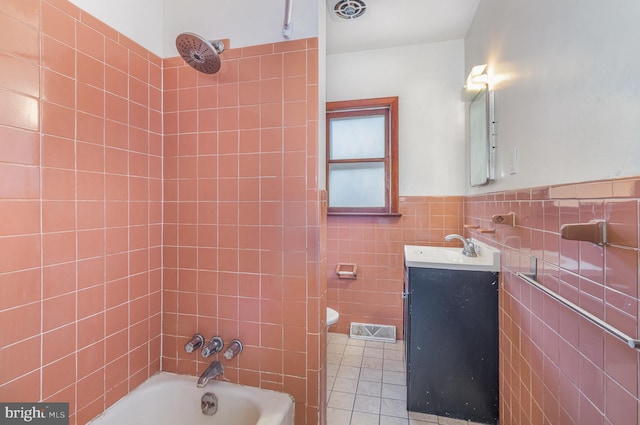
x=365, y=214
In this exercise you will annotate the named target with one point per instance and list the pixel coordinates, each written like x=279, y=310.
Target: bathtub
x=169, y=399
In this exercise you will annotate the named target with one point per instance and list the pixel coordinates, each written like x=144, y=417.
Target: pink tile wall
x=80, y=200
x=555, y=367
x=242, y=218
x=82, y=164
x=376, y=244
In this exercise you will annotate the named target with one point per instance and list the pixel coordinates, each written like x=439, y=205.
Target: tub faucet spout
x=214, y=369
x=469, y=248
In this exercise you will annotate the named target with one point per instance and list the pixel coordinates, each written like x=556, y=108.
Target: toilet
x=332, y=316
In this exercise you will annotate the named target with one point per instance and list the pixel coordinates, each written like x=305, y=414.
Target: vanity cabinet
x=451, y=338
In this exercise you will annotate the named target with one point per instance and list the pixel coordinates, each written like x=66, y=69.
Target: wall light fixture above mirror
x=477, y=80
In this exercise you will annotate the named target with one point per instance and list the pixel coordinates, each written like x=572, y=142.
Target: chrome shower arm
x=287, y=26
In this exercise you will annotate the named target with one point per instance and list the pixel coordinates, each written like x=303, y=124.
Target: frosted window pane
x=357, y=137
x=357, y=185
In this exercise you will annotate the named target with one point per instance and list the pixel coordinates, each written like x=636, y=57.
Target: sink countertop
x=433, y=257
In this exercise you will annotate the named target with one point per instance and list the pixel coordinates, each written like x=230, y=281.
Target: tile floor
x=366, y=385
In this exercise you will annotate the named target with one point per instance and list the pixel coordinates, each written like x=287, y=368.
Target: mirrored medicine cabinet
x=481, y=138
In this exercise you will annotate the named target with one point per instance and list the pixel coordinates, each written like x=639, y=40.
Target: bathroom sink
x=433, y=257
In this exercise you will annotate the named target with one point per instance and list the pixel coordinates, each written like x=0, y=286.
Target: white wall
x=243, y=22
x=567, y=80
x=427, y=78
x=155, y=24
x=140, y=20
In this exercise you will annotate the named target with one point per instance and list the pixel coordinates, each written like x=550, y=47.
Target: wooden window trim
x=366, y=107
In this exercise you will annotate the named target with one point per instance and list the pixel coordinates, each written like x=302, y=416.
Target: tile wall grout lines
x=41, y=204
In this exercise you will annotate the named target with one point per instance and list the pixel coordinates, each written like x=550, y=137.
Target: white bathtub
x=169, y=399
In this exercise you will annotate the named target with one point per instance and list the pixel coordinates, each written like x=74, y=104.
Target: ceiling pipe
x=287, y=27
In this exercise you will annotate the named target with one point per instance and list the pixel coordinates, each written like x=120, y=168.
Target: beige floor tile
x=366, y=385
x=391, y=377
x=345, y=385
x=339, y=400
x=393, y=355
x=417, y=422
x=375, y=353
x=372, y=363
x=370, y=375
x=335, y=348
x=333, y=358
x=338, y=416
x=390, y=407
x=393, y=365
x=362, y=418
x=391, y=420
x=348, y=372
x=356, y=342
x=374, y=344
x=423, y=417
x=352, y=350
x=368, y=404
x=330, y=381
x=348, y=360
x=396, y=392
x=369, y=388
x=336, y=337
x=397, y=346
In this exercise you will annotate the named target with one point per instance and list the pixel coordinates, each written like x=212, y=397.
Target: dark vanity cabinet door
x=451, y=337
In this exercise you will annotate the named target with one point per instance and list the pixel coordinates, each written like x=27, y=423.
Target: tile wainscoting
x=554, y=366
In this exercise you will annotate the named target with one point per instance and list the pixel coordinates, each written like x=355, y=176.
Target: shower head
x=199, y=53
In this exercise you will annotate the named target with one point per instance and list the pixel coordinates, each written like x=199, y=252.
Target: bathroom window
x=362, y=156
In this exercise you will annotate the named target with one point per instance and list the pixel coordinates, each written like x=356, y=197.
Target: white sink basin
x=433, y=257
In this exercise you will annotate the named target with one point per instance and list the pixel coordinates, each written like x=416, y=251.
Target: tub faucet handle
x=194, y=343
x=213, y=346
x=235, y=347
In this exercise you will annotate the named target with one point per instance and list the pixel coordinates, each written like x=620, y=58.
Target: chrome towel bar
x=633, y=343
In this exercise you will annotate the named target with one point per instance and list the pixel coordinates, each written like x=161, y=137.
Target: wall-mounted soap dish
x=509, y=219
x=488, y=231
x=347, y=270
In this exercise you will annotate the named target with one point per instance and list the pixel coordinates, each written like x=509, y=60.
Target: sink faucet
x=469, y=248
x=214, y=369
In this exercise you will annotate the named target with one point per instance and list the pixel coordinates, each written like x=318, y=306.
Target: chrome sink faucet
x=214, y=369
x=469, y=248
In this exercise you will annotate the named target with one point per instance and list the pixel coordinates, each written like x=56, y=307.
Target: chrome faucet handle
x=235, y=347
x=470, y=249
x=194, y=343
x=213, y=346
